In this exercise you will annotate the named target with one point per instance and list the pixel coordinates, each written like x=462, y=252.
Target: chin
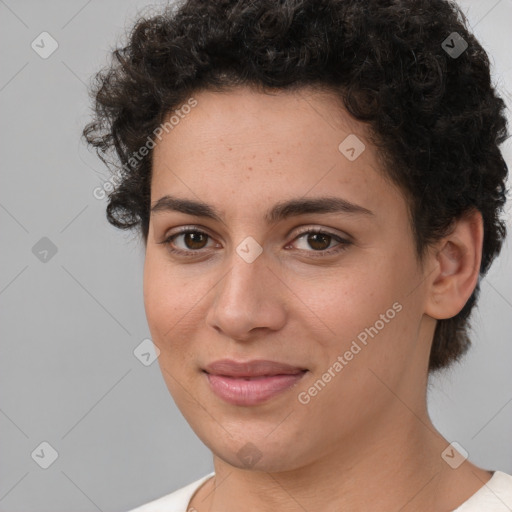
x=274, y=463
x=255, y=453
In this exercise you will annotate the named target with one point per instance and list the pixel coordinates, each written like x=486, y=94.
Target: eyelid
x=186, y=229
x=314, y=228
x=301, y=230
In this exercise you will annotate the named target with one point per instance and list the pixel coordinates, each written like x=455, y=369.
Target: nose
x=247, y=300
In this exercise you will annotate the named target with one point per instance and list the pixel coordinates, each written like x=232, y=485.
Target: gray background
x=70, y=324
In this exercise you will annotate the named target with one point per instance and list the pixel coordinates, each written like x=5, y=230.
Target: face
x=334, y=293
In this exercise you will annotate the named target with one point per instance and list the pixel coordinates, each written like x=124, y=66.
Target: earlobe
x=457, y=258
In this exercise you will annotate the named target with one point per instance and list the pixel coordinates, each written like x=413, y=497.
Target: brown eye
x=194, y=240
x=315, y=242
x=319, y=241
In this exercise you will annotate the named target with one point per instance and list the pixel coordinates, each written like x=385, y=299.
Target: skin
x=365, y=442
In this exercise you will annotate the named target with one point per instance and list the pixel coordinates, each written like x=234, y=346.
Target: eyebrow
x=278, y=212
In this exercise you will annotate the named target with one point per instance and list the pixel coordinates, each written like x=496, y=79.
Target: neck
x=397, y=466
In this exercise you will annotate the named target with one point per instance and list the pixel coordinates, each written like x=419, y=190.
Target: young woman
x=318, y=184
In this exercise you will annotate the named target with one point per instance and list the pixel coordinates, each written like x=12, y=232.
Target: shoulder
x=494, y=496
x=176, y=501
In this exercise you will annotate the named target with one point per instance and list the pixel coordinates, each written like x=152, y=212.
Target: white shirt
x=494, y=496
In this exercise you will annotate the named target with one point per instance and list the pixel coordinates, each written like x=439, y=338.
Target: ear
x=456, y=261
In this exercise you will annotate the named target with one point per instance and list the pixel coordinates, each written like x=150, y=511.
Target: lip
x=253, y=368
x=251, y=382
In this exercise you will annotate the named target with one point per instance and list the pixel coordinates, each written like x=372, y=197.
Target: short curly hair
x=433, y=114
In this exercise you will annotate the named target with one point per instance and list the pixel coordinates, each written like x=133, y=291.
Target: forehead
x=306, y=123
x=255, y=145
x=246, y=115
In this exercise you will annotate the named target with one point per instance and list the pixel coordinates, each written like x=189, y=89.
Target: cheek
x=163, y=302
x=156, y=301
x=174, y=313
x=371, y=305
x=166, y=313
x=346, y=301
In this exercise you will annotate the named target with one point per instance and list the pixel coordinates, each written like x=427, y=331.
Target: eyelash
x=343, y=243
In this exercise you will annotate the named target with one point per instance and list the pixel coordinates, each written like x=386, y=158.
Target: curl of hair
x=436, y=121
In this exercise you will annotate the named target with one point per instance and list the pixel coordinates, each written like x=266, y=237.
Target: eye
x=194, y=240
x=320, y=241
